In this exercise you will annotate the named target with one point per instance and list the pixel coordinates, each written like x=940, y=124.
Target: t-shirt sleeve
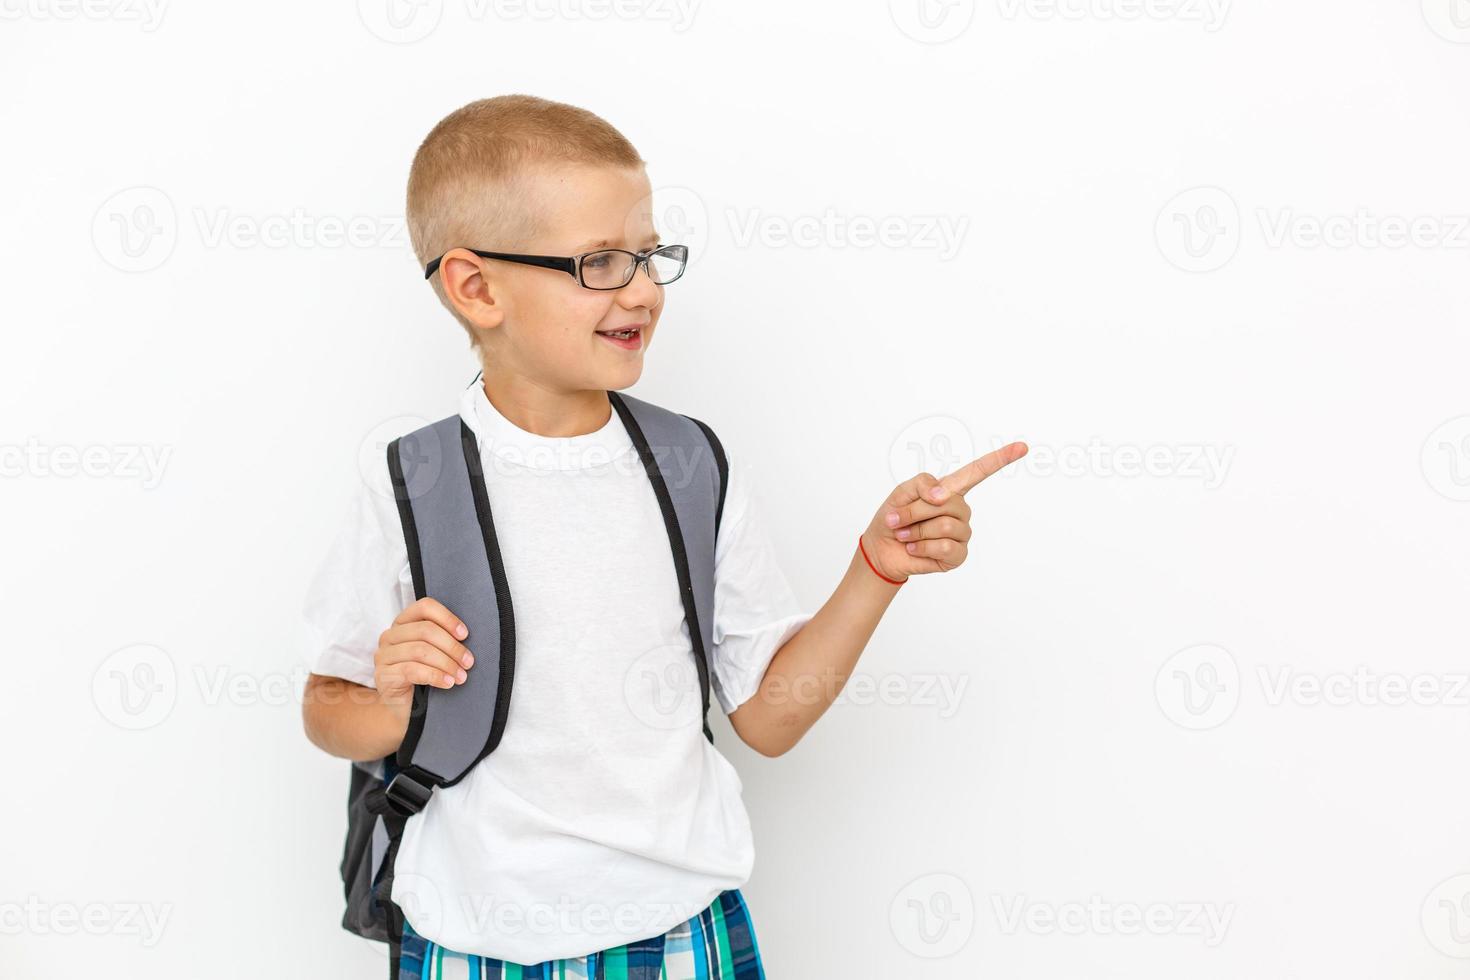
x=362, y=583
x=756, y=610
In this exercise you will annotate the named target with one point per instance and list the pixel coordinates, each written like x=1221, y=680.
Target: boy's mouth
x=629, y=338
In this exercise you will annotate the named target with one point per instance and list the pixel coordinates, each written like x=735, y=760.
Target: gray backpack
x=448, y=527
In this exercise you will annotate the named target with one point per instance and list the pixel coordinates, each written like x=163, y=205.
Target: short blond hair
x=465, y=189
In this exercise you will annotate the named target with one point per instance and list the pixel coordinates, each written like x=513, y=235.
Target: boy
x=598, y=838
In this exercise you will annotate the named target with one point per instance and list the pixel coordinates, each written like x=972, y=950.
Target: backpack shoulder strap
x=439, y=485
x=686, y=465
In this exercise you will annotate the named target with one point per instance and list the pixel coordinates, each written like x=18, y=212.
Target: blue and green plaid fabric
x=717, y=944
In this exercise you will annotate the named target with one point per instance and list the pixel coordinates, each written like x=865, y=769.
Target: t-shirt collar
x=511, y=444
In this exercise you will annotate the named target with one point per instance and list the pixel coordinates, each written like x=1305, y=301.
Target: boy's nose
x=641, y=288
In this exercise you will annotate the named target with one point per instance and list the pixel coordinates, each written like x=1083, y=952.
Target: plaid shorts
x=717, y=944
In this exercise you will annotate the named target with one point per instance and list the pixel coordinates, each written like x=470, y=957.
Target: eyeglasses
x=608, y=268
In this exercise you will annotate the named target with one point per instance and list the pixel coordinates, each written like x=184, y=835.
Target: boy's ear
x=470, y=290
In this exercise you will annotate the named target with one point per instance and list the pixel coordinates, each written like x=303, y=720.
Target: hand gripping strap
x=687, y=467
x=439, y=485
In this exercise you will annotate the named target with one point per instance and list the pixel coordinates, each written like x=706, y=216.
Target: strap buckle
x=409, y=792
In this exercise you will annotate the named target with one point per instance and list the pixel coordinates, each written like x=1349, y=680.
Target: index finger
x=434, y=611
x=967, y=477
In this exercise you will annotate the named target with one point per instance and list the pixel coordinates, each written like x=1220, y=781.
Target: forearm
x=810, y=670
x=350, y=721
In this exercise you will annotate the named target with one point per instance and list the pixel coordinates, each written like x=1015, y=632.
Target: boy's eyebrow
x=651, y=241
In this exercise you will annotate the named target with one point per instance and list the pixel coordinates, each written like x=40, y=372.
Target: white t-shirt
x=604, y=816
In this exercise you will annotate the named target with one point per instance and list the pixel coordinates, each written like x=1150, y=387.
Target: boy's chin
x=621, y=376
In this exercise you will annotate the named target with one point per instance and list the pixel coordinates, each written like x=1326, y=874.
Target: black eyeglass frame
x=572, y=264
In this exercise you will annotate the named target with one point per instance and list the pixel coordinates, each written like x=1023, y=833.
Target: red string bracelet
x=870, y=564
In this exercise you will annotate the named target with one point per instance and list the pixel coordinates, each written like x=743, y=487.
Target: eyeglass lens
x=612, y=268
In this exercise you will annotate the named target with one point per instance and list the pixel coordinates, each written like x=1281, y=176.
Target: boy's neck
x=555, y=415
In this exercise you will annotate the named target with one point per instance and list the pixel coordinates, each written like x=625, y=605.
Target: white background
x=1140, y=657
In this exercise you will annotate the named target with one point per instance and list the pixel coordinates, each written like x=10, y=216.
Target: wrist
x=868, y=560
x=398, y=704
